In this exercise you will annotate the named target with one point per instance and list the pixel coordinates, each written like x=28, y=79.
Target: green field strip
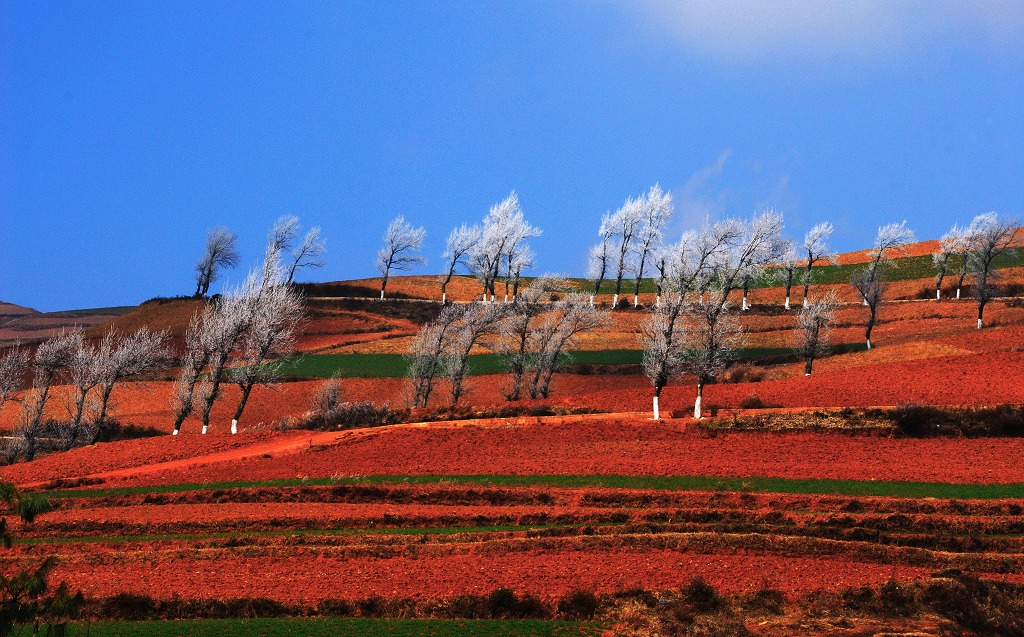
x=397, y=365
x=942, y=490
x=218, y=535
x=339, y=627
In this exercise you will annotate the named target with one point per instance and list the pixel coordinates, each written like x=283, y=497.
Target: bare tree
x=307, y=254
x=220, y=253
x=815, y=324
x=477, y=321
x=401, y=242
x=950, y=245
x=12, y=371
x=816, y=250
x=712, y=336
x=871, y=286
x=557, y=333
x=270, y=338
x=787, y=272
x=626, y=223
x=663, y=337
x=660, y=260
x=460, y=243
x=426, y=357
x=656, y=210
x=990, y=238
x=597, y=268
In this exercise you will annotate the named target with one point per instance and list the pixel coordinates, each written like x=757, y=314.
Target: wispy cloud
x=701, y=196
x=823, y=29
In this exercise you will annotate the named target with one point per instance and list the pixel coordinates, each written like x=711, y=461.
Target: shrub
x=578, y=605
x=504, y=604
x=129, y=607
x=752, y=401
x=702, y=596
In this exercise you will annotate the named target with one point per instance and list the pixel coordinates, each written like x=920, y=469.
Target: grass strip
x=339, y=627
x=397, y=365
x=943, y=490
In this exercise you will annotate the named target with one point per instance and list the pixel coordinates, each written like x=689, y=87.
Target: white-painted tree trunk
x=382, y=295
x=657, y=301
x=234, y=426
x=745, y=306
x=615, y=300
x=958, y=293
x=636, y=301
x=864, y=302
x=696, y=408
x=787, y=302
x=805, y=301
x=938, y=294
x=174, y=433
x=807, y=374
x=204, y=429
x=979, y=324
x=444, y=298
x=506, y=298
x=657, y=414
x=869, y=343
x=591, y=300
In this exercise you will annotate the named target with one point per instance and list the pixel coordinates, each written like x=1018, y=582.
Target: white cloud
x=701, y=197
x=822, y=29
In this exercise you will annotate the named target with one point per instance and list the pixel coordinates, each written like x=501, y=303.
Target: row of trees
x=532, y=333
x=92, y=369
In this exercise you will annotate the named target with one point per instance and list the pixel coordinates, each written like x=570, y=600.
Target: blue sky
x=128, y=129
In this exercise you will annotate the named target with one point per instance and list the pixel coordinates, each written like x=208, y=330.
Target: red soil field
x=309, y=578
x=587, y=447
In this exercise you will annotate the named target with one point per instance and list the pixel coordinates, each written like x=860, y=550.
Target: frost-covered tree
x=516, y=335
x=458, y=247
x=991, y=237
x=269, y=338
x=655, y=211
x=426, y=356
x=815, y=324
x=787, y=271
x=712, y=335
x=402, y=242
x=660, y=259
x=663, y=337
x=200, y=340
x=13, y=366
x=229, y=323
x=84, y=369
x=504, y=232
x=950, y=245
x=891, y=240
x=815, y=250
x=600, y=255
x=220, y=252
x=52, y=357
x=625, y=223
x=123, y=357
x=476, y=322
x=557, y=332
x=517, y=261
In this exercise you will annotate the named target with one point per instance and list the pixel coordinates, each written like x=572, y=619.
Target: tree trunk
x=696, y=403
x=808, y=365
x=787, y=301
x=938, y=294
x=981, y=312
x=615, y=300
x=246, y=390
x=657, y=414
